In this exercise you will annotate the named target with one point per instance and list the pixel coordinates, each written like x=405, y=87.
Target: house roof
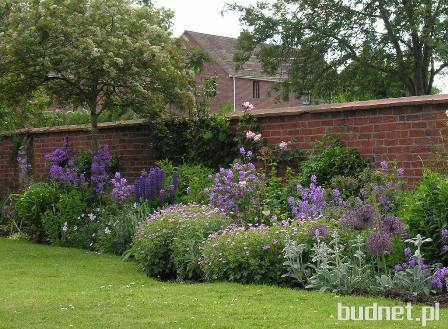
x=222, y=50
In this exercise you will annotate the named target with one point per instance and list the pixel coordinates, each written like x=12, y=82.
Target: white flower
x=446, y=113
x=75, y=228
x=64, y=228
x=107, y=230
x=266, y=212
x=283, y=145
x=243, y=183
x=92, y=217
x=257, y=137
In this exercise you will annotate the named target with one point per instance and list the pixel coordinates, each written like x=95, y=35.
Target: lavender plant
x=311, y=202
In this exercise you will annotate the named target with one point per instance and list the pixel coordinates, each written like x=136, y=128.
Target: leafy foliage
x=330, y=158
x=30, y=207
x=328, y=45
x=100, y=54
x=195, y=140
x=426, y=213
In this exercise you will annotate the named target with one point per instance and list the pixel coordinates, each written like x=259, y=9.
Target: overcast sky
x=205, y=16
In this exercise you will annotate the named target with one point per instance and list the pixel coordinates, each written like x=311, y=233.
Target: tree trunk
x=94, y=126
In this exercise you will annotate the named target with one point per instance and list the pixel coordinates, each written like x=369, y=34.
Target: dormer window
x=256, y=89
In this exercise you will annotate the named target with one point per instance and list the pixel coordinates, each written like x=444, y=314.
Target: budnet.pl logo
x=375, y=312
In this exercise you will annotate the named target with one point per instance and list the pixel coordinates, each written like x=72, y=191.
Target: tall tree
x=99, y=54
x=405, y=40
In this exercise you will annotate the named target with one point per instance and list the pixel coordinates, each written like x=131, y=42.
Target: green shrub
x=254, y=254
x=426, y=213
x=30, y=206
x=195, y=178
x=70, y=222
x=331, y=158
x=167, y=245
x=118, y=226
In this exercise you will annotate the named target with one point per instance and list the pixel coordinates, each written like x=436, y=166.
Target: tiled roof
x=222, y=49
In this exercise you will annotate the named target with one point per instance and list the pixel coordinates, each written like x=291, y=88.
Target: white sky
x=205, y=16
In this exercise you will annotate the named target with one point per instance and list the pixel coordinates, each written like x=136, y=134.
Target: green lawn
x=50, y=287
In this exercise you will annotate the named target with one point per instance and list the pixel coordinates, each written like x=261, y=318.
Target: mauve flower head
x=394, y=225
x=384, y=165
x=445, y=248
x=283, y=145
x=440, y=279
x=407, y=252
x=400, y=172
x=444, y=234
x=249, y=154
x=318, y=230
x=379, y=243
x=242, y=151
x=266, y=247
x=360, y=217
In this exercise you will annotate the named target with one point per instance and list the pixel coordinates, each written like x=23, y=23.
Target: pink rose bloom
x=248, y=106
x=250, y=135
x=283, y=145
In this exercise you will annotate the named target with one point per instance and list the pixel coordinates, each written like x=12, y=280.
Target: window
x=256, y=89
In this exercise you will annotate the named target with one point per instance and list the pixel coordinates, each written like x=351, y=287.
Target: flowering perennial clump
x=121, y=189
x=311, y=202
x=235, y=188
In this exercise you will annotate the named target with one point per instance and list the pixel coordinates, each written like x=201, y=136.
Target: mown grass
x=50, y=287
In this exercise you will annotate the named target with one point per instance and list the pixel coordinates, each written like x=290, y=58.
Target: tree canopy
x=402, y=42
x=99, y=54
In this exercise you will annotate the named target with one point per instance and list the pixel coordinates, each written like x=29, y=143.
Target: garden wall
x=409, y=130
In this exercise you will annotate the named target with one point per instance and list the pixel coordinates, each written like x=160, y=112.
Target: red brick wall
x=130, y=141
x=407, y=130
x=410, y=130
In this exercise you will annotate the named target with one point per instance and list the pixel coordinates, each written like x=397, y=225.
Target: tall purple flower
x=172, y=193
x=360, y=217
x=101, y=160
x=440, y=279
x=148, y=186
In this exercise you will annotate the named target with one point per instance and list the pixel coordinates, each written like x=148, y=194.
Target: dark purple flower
x=384, y=165
x=393, y=225
x=400, y=172
x=162, y=196
x=172, y=193
x=379, y=243
x=360, y=217
x=440, y=279
x=175, y=180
